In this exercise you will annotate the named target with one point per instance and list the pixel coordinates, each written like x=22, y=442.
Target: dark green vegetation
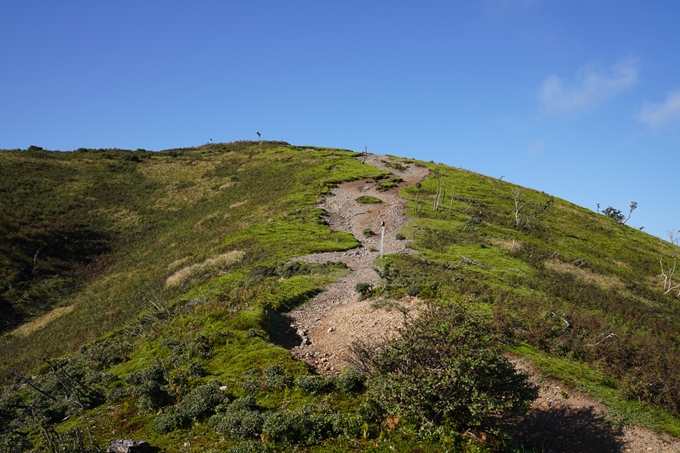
x=367, y=199
x=176, y=266
x=445, y=371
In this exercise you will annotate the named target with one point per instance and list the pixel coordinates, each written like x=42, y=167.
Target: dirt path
x=564, y=420
x=561, y=420
x=328, y=324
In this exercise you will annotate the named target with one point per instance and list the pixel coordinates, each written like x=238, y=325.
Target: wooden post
x=382, y=237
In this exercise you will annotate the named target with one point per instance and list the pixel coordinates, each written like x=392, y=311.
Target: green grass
x=183, y=206
x=572, y=283
x=367, y=199
x=111, y=227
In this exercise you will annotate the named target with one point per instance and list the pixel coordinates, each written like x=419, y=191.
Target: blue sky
x=580, y=99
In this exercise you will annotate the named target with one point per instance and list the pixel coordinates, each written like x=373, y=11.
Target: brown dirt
x=320, y=332
x=564, y=420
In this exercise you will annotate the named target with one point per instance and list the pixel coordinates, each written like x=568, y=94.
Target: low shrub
x=237, y=423
x=315, y=384
x=364, y=289
x=305, y=426
x=245, y=402
x=150, y=385
x=349, y=381
x=446, y=370
x=202, y=400
x=276, y=378
x=368, y=233
x=250, y=446
x=169, y=420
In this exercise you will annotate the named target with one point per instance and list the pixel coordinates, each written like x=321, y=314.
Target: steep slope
x=192, y=261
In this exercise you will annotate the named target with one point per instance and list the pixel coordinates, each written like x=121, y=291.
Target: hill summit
x=248, y=296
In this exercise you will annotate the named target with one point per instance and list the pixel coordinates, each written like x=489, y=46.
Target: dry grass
x=216, y=263
x=240, y=203
x=205, y=219
x=507, y=244
x=122, y=217
x=39, y=323
x=602, y=281
x=177, y=263
x=176, y=198
x=179, y=171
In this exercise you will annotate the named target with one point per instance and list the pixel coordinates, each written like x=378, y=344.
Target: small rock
x=128, y=446
x=330, y=329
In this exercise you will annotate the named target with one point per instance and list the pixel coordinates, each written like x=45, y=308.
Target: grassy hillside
x=566, y=281
x=132, y=281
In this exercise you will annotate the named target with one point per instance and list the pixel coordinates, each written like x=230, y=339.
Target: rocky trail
x=327, y=325
x=321, y=331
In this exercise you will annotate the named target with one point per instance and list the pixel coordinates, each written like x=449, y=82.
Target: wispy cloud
x=593, y=85
x=658, y=116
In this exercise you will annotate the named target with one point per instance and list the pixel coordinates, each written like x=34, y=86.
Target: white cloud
x=593, y=86
x=657, y=116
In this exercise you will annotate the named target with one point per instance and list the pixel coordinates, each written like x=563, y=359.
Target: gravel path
x=328, y=324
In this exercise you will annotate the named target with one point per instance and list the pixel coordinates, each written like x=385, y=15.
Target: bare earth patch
x=566, y=420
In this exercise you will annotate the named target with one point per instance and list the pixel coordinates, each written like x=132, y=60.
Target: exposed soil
x=325, y=327
x=564, y=420
x=321, y=331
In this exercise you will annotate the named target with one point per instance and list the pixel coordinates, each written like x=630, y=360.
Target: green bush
x=314, y=384
x=275, y=377
x=445, y=370
x=245, y=402
x=364, y=289
x=368, y=233
x=150, y=385
x=251, y=386
x=350, y=380
x=9, y=409
x=305, y=426
x=202, y=400
x=413, y=290
x=170, y=420
x=237, y=423
x=250, y=446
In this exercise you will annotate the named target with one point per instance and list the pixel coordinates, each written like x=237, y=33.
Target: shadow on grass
x=566, y=430
x=281, y=332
